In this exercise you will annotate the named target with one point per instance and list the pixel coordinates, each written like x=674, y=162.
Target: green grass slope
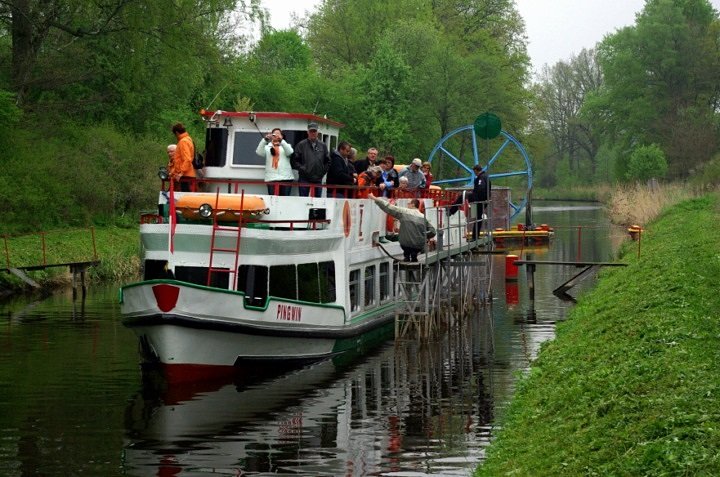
x=631, y=384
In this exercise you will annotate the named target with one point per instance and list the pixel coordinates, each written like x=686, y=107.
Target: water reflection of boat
x=403, y=408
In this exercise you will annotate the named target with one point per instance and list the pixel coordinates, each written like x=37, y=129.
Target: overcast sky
x=556, y=29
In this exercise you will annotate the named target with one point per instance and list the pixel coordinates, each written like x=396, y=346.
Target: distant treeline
x=88, y=90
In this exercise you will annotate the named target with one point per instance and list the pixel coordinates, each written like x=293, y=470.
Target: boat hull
x=197, y=332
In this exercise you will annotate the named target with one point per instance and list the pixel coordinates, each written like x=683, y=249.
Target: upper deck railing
x=235, y=186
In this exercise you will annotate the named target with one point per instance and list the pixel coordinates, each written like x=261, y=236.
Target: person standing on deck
x=341, y=171
x=414, y=227
x=184, y=153
x=427, y=172
x=369, y=161
x=366, y=180
x=387, y=181
x=311, y=159
x=480, y=194
x=171, y=158
x=278, y=170
x=416, y=179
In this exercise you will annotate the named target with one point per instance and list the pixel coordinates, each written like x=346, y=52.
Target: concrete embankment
x=631, y=384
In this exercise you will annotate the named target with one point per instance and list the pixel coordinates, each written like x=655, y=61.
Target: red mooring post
x=511, y=270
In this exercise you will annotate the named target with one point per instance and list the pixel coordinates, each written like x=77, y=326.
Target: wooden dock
x=561, y=291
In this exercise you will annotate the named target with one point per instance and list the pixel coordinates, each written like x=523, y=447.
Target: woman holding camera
x=278, y=170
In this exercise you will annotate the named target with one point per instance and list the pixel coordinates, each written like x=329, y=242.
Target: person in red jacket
x=366, y=180
x=184, y=153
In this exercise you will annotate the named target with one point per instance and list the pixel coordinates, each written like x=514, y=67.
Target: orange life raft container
x=228, y=206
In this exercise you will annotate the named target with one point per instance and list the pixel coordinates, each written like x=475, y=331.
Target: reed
x=639, y=204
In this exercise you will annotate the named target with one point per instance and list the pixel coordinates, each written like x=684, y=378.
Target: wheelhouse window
x=216, y=147
x=370, y=286
x=354, y=284
x=244, y=149
x=384, y=281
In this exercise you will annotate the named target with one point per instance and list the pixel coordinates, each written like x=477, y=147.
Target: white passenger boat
x=232, y=274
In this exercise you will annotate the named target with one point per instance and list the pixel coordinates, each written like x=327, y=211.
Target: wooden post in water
x=530, y=268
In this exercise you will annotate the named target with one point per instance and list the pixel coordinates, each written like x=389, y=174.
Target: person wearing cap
x=416, y=179
x=312, y=160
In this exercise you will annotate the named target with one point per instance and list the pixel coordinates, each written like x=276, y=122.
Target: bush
x=70, y=174
x=646, y=162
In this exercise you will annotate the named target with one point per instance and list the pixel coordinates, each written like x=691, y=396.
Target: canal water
x=73, y=400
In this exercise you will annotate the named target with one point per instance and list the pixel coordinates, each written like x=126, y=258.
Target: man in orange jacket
x=184, y=153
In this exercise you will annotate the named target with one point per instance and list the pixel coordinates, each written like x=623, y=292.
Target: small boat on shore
x=233, y=275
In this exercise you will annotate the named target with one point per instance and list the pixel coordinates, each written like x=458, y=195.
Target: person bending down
x=414, y=226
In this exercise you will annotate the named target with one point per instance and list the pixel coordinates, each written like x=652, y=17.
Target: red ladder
x=215, y=228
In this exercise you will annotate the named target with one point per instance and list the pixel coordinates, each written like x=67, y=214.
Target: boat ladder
x=214, y=248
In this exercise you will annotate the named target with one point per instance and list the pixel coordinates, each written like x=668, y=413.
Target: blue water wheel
x=484, y=142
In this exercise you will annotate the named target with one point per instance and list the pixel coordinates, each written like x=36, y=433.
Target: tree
x=564, y=89
x=121, y=60
x=386, y=103
x=662, y=82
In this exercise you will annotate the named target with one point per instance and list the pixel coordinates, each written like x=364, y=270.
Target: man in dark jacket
x=341, y=171
x=311, y=159
x=480, y=194
x=369, y=161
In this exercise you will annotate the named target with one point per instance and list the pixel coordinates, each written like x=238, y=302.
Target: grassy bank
x=630, y=384
x=117, y=250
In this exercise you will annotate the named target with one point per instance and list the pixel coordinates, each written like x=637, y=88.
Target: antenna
x=315, y=108
x=216, y=96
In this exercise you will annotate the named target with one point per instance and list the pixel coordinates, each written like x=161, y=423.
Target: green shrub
x=646, y=162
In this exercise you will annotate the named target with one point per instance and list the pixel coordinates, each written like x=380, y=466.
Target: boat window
x=154, y=269
x=333, y=143
x=369, y=285
x=244, y=149
x=308, y=282
x=283, y=282
x=216, y=147
x=354, y=290
x=327, y=282
x=294, y=137
x=384, y=281
x=198, y=275
x=252, y=280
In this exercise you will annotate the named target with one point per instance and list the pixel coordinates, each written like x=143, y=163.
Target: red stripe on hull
x=187, y=373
